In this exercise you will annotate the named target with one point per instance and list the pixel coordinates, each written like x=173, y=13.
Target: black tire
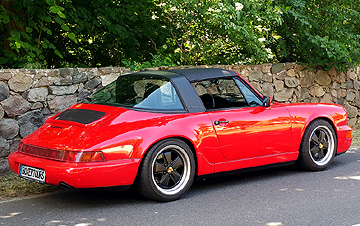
x=318, y=146
x=167, y=171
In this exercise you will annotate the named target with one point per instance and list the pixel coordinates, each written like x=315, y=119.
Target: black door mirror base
x=266, y=101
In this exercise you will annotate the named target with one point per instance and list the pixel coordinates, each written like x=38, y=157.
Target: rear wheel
x=167, y=170
x=318, y=146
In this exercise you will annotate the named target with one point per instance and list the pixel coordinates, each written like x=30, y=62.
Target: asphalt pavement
x=273, y=197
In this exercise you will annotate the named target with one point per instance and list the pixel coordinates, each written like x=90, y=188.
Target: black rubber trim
x=111, y=188
x=83, y=116
x=337, y=154
x=245, y=170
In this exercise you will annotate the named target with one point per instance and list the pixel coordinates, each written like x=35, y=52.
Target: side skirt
x=245, y=170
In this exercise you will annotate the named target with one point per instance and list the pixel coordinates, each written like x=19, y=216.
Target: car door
x=244, y=127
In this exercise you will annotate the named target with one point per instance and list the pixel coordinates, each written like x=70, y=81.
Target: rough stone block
x=276, y=68
x=20, y=82
x=63, y=90
x=4, y=91
x=291, y=82
x=60, y=103
x=30, y=121
x=322, y=78
x=37, y=94
x=15, y=105
x=93, y=83
x=284, y=95
x=9, y=128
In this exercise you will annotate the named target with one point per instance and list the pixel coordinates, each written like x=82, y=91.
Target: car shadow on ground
x=107, y=197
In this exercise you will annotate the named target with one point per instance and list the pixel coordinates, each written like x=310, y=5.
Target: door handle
x=218, y=122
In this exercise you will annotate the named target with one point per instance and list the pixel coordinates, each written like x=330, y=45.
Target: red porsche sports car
x=160, y=130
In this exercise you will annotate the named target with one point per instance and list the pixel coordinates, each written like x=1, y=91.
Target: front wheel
x=318, y=146
x=167, y=170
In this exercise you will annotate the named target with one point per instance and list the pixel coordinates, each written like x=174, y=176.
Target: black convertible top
x=197, y=74
x=194, y=74
x=182, y=79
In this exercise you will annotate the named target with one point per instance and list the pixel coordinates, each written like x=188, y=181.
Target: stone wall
x=29, y=96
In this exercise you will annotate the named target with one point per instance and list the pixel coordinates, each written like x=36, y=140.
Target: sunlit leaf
x=65, y=27
x=71, y=36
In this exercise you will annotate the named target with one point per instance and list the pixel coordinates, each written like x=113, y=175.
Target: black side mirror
x=266, y=101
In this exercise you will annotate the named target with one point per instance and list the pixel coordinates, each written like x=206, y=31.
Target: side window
x=139, y=91
x=250, y=96
x=152, y=94
x=220, y=93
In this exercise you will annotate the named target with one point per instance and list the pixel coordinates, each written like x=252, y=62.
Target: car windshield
x=146, y=92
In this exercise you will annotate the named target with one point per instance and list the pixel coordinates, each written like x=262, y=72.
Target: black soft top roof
x=181, y=79
x=197, y=74
x=194, y=74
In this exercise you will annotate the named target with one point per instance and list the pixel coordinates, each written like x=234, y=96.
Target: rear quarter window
x=145, y=92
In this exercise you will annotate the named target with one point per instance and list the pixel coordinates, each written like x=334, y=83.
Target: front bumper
x=80, y=175
x=344, y=142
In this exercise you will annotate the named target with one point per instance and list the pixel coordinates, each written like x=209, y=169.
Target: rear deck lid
x=63, y=129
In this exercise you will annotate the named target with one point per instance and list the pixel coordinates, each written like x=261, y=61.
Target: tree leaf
x=71, y=36
x=32, y=54
x=54, y=9
x=29, y=29
x=61, y=14
x=58, y=53
x=6, y=19
x=3, y=60
x=65, y=27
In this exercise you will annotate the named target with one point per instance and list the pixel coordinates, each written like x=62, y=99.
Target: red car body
x=244, y=137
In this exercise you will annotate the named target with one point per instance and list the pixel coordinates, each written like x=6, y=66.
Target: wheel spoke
x=315, y=152
x=321, y=153
x=315, y=139
x=165, y=180
x=159, y=168
x=167, y=158
x=326, y=145
x=177, y=163
x=175, y=176
x=322, y=136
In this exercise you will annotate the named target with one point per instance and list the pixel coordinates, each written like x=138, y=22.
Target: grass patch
x=12, y=186
x=356, y=138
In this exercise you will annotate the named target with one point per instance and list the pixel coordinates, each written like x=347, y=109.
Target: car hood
x=63, y=129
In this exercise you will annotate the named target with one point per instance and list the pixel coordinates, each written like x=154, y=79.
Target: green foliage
x=156, y=61
x=69, y=33
x=216, y=31
x=325, y=33
x=29, y=33
x=62, y=33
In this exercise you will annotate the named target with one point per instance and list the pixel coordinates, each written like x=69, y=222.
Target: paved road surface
x=281, y=196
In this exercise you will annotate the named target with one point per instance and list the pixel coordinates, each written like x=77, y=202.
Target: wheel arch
x=331, y=122
x=185, y=140
x=306, y=159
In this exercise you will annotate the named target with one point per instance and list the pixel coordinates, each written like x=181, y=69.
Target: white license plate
x=31, y=173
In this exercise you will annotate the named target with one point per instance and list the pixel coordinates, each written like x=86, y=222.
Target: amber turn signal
x=348, y=134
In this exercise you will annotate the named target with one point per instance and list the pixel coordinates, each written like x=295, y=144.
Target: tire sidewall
x=305, y=157
x=148, y=186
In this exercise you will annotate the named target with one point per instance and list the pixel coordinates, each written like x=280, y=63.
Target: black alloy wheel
x=318, y=146
x=167, y=170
